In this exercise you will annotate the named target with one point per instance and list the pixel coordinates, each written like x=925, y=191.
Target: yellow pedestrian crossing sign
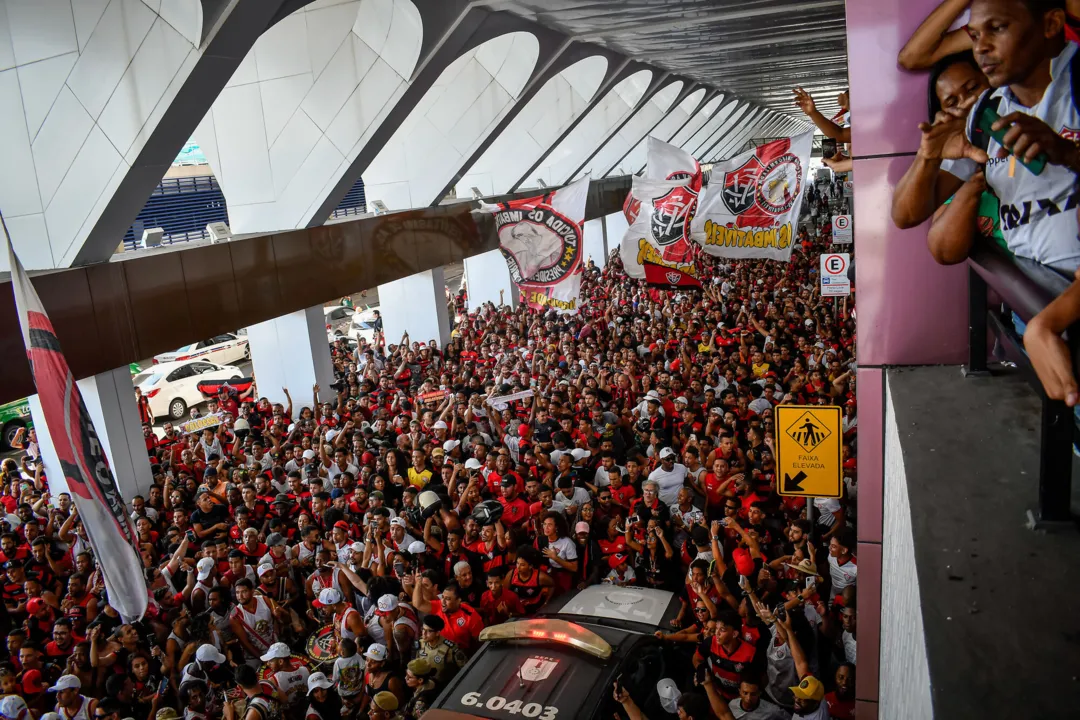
x=808, y=451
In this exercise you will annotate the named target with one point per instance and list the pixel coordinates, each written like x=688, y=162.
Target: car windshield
x=146, y=378
x=187, y=348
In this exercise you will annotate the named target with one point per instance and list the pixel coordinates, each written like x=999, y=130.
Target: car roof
x=645, y=606
x=173, y=364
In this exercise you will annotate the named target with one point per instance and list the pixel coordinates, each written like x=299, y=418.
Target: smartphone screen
x=828, y=147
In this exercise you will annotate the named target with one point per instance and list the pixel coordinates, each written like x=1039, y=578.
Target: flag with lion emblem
x=751, y=207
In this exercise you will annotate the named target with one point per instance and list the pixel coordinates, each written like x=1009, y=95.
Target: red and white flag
x=82, y=457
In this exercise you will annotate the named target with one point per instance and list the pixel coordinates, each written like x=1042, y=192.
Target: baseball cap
x=328, y=596
x=67, y=682
x=472, y=464
x=309, y=454
x=205, y=567
x=449, y=445
x=377, y=651
x=684, y=401
x=342, y=525
x=523, y=429
x=163, y=714
x=582, y=527
x=275, y=539
x=276, y=651
x=387, y=604
x=438, y=452
x=810, y=688
x=318, y=680
x=669, y=695
x=265, y=568
x=385, y=700
x=206, y=653
x=616, y=560
x=34, y=605
x=667, y=453
x=32, y=681
x=399, y=522
x=439, y=425
x=416, y=547
x=580, y=454
x=282, y=498
x=12, y=706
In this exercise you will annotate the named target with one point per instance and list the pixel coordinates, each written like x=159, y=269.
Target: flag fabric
x=541, y=239
x=751, y=207
x=667, y=277
x=82, y=456
x=660, y=234
x=664, y=162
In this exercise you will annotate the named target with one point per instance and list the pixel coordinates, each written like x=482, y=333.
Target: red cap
x=367, y=458
x=342, y=524
x=616, y=560
x=744, y=564
x=34, y=605
x=523, y=430
x=32, y=681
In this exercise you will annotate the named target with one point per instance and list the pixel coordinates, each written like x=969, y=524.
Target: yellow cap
x=386, y=701
x=809, y=689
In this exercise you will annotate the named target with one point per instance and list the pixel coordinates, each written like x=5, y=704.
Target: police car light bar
x=552, y=630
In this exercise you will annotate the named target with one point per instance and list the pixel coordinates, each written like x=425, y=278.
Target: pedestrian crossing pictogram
x=808, y=432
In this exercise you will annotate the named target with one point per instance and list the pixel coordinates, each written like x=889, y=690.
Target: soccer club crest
x=740, y=186
x=672, y=214
x=673, y=278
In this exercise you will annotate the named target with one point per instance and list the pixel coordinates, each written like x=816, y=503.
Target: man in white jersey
x=1020, y=46
x=70, y=703
x=287, y=675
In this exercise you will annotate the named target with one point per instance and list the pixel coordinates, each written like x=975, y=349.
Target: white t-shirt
x=669, y=482
x=1038, y=212
x=825, y=508
x=842, y=575
x=566, y=548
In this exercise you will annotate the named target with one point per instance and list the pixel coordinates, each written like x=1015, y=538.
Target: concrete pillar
x=596, y=242
x=110, y=401
x=486, y=275
x=417, y=304
x=292, y=352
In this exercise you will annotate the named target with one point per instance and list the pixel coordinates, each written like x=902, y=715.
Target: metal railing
x=1024, y=287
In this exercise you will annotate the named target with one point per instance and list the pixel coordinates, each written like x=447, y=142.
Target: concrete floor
x=1001, y=603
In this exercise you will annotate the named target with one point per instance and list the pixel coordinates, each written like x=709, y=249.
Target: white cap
x=209, y=653
x=318, y=680
x=472, y=464
x=329, y=596
x=357, y=547
x=376, y=651
x=416, y=547
x=277, y=651
x=667, y=453
x=669, y=695
x=450, y=445
x=251, y=531
x=205, y=567
x=399, y=522
x=682, y=400
x=652, y=394
x=580, y=454
x=66, y=682
x=388, y=603
x=439, y=425
x=265, y=568
x=12, y=705
x=309, y=454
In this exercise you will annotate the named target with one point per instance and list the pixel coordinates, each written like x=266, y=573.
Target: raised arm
x=933, y=40
x=824, y=124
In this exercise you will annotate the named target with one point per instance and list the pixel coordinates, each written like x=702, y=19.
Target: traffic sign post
x=841, y=230
x=834, y=279
x=809, y=451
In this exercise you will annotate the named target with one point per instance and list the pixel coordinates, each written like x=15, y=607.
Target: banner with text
x=541, y=239
x=751, y=207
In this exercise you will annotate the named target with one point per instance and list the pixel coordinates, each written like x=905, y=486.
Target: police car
x=561, y=664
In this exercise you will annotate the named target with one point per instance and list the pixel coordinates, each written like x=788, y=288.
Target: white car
x=222, y=349
x=172, y=387
x=363, y=326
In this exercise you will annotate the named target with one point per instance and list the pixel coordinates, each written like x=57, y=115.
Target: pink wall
x=911, y=311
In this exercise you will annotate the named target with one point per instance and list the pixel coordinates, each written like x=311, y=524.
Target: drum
x=322, y=645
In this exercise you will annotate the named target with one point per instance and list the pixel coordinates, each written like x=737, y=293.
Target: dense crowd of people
x=338, y=556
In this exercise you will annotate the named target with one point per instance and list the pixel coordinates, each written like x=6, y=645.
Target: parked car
x=363, y=326
x=337, y=319
x=222, y=349
x=171, y=387
x=561, y=663
x=14, y=416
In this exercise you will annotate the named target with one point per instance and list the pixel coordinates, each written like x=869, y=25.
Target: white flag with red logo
x=666, y=162
x=751, y=206
x=82, y=457
x=541, y=239
x=661, y=232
